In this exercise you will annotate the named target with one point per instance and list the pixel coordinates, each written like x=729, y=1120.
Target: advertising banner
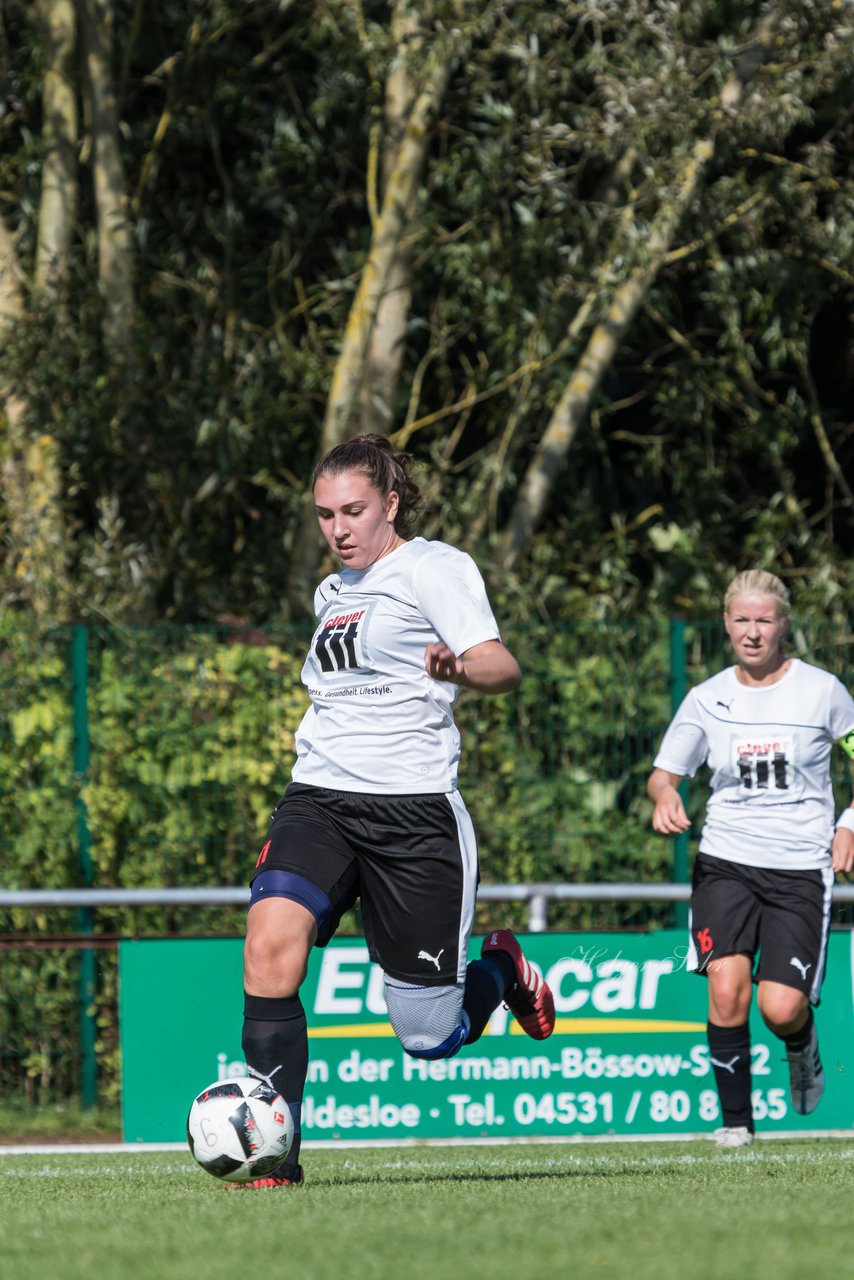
x=628, y=1055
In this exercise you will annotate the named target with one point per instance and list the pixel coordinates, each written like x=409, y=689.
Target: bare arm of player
x=842, y=849
x=669, y=817
x=488, y=667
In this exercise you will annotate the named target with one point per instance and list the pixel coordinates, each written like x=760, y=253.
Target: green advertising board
x=628, y=1055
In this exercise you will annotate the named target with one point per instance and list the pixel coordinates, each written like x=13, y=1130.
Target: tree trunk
x=556, y=441
x=59, y=137
x=115, y=243
x=388, y=231
x=385, y=244
x=384, y=358
x=11, y=315
x=30, y=479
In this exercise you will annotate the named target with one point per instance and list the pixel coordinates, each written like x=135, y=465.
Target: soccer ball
x=239, y=1129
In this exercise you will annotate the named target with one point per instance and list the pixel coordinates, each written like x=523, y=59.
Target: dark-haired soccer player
x=373, y=810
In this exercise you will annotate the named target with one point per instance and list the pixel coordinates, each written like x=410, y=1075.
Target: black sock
x=275, y=1046
x=729, y=1049
x=798, y=1039
x=487, y=982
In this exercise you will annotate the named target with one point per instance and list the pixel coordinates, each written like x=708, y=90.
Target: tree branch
x=556, y=441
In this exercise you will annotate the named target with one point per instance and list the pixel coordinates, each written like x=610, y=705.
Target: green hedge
x=190, y=743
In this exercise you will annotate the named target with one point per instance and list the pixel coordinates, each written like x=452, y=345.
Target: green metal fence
x=153, y=756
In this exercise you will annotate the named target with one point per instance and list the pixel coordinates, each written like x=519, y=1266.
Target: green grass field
x=639, y=1211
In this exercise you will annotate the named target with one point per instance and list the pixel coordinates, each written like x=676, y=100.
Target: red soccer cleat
x=530, y=1000
x=272, y=1181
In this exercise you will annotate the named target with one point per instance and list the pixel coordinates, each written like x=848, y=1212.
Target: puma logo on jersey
x=802, y=968
x=425, y=955
x=726, y=705
x=726, y=1066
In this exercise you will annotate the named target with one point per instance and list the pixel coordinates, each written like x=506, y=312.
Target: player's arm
x=842, y=849
x=669, y=817
x=488, y=667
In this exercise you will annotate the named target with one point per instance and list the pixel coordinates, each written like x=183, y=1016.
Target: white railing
x=537, y=896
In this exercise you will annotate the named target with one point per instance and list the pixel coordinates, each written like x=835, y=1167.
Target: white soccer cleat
x=806, y=1077
x=733, y=1136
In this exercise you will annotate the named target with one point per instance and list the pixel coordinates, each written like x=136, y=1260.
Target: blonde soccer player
x=768, y=850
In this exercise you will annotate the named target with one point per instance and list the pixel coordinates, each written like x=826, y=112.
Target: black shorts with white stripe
x=411, y=860
x=781, y=916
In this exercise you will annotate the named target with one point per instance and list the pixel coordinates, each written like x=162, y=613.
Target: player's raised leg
x=438, y=1021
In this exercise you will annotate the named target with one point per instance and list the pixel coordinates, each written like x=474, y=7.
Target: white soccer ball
x=239, y=1129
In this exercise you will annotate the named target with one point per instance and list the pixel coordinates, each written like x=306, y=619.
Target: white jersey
x=377, y=721
x=769, y=751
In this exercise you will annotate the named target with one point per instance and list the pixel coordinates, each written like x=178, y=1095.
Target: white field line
x=578, y=1164
x=367, y=1144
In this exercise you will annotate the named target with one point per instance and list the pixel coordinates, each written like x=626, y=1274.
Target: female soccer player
x=764, y=872
x=373, y=811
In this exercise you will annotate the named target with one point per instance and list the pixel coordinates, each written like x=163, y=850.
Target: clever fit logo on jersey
x=339, y=645
x=765, y=765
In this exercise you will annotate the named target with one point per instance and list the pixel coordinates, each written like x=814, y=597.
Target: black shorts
x=410, y=859
x=784, y=916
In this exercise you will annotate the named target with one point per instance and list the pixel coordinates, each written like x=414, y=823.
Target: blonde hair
x=758, y=582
